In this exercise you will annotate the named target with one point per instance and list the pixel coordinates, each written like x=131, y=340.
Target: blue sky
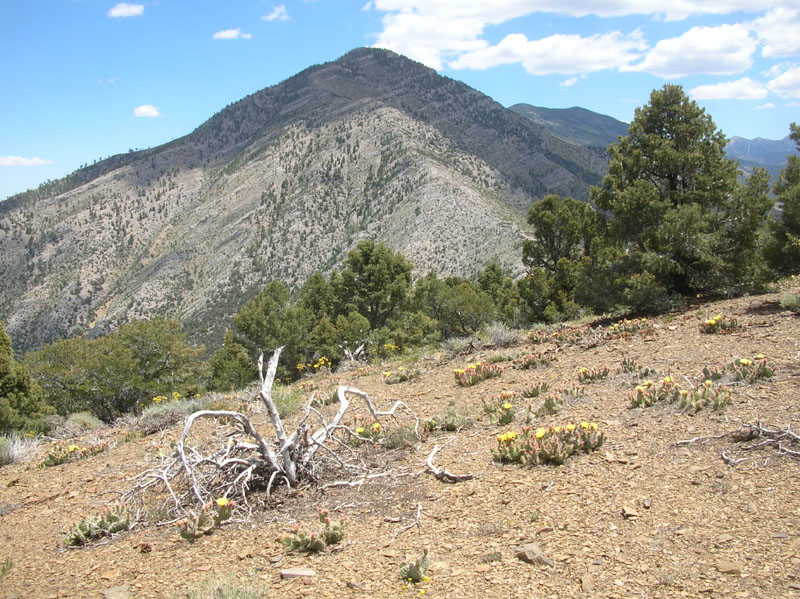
x=85, y=79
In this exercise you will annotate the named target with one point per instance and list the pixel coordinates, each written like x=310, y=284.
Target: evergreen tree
x=674, y=205
x=782, y=250
x=21, y=403
x=376, y=281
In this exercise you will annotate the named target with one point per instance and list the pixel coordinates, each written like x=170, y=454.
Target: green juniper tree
x=679, y=222
x=782, y=250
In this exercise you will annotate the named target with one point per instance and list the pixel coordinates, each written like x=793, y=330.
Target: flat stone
x=587, y=584
x=629, y=512
x=729, y=567
x=531, y=553
x=120, y=592
x=297, y=573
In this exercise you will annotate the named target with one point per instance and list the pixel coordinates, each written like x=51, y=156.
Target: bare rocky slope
x=277, y=185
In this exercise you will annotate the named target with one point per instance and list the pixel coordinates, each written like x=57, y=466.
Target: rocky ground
x=663, y=509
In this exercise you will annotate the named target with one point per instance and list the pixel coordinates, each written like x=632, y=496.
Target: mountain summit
x=275, y=186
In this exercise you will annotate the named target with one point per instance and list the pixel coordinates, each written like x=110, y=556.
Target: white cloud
x=722, y=50
x=123, y=9
x=777, y=31
x=764, y=106
x=569, y=82
x=787, y=84
x=509, y=9
x=439, y=31
x=278, y=14
x=20, y=161
x=231, y=34
x=558, y=53
x=741, y=89
x=367, y=6
x=146, y=110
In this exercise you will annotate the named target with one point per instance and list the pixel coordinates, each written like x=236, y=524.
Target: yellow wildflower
x=540, y=433
x=222, y=501
x=376, y=427
x=584, y=424
x=570, y=427
x=557, y=429
x=745, y=362
x=507, y=406
x=360, y=430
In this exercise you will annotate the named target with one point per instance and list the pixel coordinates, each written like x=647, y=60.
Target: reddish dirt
x=704, y=527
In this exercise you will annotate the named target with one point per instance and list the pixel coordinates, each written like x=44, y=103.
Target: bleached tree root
x=190, y=479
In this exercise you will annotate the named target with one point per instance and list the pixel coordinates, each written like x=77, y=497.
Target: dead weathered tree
x=190, y=479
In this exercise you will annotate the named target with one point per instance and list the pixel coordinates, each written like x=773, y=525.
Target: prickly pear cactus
x=415, y=572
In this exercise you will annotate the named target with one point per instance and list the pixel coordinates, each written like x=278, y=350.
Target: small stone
x=483, y=568
x=109, y=574
x=729, y=567
x=646, y=502
x=533, y=554
x=587, y=584
x=121, y=592
x=780, y=535
x=297, y=573
x=206, y=568
x=629, y=512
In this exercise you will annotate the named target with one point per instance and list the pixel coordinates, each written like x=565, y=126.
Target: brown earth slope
x=698, y=526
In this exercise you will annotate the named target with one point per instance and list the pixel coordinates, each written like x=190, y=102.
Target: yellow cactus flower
x=540, y=433
x=222, y=501
x=570, y=427
x=592, y=426
x=557, y=429
x=640, y=389
x=376, y=426
x=72, y=448
x=668, y=379
x=507, y=406
x=360, y=430
x=761, y=357
x=708, y=383
x=584, y=425
x=745, y=362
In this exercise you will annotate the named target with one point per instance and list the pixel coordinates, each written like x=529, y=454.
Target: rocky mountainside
x=577, y=125
x=277, y=185
x=763, y=153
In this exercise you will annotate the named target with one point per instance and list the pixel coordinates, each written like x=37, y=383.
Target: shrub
x=450, y=420
x=83, y=422
x=195, y=525
x=530, y=360
x=400, y=437
x=791, y=302
x=226, y=588
x=14, y=448
x=162, y=415
x=499, y=335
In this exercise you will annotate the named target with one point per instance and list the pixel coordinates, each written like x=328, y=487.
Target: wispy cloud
x=123, y=10
x=278, y=14
x=231, y=34
x=20, y=161
x=146, y=110
x=741, y=89
x=765, y=106
x=569, y=82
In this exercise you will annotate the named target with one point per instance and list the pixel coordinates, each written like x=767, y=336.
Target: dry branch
x=441, y=473
x=189, y=479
